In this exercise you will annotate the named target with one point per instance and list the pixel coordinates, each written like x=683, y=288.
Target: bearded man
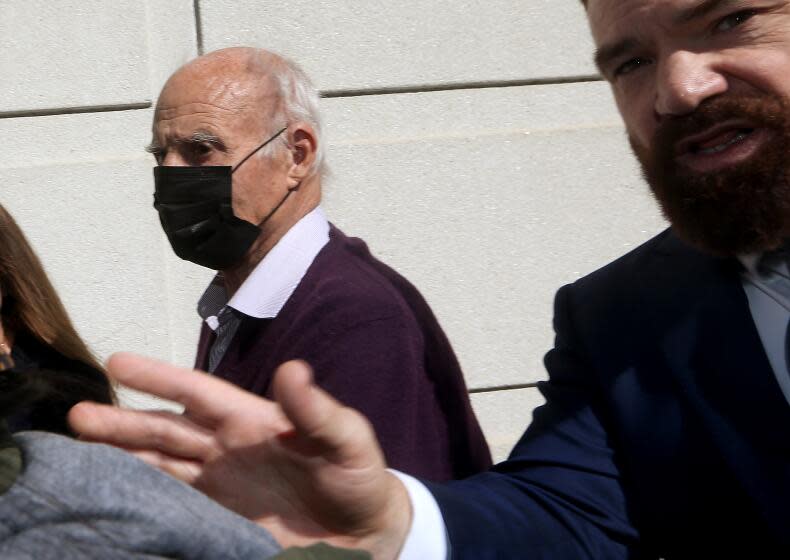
x=666, y=428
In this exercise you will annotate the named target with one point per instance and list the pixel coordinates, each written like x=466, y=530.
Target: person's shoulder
x=50, y=448
x=623, y=285
x=664, y=256
x=655, y=278
x=347, y=279
x=631, y=263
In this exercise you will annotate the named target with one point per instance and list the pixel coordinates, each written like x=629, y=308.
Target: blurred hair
x=298, y=100
x=40, y=399
x=31, y=307
x=30, y=302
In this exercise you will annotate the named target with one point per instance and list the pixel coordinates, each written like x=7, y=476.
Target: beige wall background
x=471, y=143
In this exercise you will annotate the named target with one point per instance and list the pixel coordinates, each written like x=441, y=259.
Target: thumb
x=339, y=432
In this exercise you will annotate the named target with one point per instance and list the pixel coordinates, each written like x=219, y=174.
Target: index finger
x=203, y=396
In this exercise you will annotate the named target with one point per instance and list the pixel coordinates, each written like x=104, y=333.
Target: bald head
x=262, y=91
x=239, y=79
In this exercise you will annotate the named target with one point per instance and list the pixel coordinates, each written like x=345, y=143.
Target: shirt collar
x=759, y=264
x=272, y=282
x=750, y=262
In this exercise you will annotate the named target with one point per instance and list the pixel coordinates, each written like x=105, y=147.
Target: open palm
x=304, y=467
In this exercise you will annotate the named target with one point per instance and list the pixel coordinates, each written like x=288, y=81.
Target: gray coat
x=82, y=500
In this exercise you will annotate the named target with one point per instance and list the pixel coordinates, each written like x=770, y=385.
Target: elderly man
x=666, y=429
x=238, y=141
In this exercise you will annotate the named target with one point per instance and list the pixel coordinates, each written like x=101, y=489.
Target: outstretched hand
x=304, y=467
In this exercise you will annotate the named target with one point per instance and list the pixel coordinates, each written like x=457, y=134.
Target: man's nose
x=685, y=80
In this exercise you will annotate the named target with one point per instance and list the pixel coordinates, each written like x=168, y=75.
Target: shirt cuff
x=427, y=536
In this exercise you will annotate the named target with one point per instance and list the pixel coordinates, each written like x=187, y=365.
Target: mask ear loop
x=248, y=156
x=282, y=201
x=290, y=190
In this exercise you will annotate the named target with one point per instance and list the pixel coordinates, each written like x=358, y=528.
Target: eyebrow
x=197, y=137
x=604, y=55
x=202, y=136
x=700, y=10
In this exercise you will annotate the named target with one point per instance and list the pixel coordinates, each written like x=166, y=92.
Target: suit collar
x=719, y=362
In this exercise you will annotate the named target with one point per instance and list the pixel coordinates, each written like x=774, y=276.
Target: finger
x=182, y=469
x=342, y=433
x=144, y=430
x=205, y=397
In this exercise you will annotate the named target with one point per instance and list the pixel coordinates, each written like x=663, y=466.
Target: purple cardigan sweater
x=375, y=345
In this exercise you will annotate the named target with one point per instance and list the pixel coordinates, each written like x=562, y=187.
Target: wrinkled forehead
x=609, y=18
x=222, y=91
x=218, y=102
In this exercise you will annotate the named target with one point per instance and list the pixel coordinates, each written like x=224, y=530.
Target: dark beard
x=744, y=209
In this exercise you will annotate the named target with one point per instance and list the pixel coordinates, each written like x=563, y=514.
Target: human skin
x=303, y=466
x=663, y=58
x=218, y=109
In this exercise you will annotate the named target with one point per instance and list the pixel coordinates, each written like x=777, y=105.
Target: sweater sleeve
x=376, y=366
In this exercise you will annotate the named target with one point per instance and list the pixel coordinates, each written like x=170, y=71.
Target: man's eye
x=203, y=149
x=630, y=65
x=734, y=20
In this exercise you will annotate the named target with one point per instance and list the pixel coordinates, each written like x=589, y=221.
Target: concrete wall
x=471, y=145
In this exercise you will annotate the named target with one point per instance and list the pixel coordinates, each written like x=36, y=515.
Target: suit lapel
x=718, y=358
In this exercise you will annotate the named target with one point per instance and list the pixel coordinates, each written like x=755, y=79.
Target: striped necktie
x=774, y=271
x=228, y=323
x=6, y=361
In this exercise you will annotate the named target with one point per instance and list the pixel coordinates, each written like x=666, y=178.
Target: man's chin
x=727, y=230
x=742, y=210
x=728, y=194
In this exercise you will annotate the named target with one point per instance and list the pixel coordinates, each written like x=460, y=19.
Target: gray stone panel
x=80, y=187
x=84, y=180
x=489, y=200
x=504, y=415
x=172, y=38
x=94, y=232
x=361, y=45
x=91, y=53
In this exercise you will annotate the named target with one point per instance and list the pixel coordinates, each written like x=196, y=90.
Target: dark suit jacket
x=665, y=433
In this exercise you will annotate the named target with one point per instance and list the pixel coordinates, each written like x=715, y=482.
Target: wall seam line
x=501, y=388
x=73, y=110
x=429, y=88
x=198, y=27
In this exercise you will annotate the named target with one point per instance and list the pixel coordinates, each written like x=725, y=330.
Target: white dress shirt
x=770, y=309
x=272, y=282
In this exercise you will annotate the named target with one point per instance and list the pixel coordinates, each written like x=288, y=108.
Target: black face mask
x=195, y=205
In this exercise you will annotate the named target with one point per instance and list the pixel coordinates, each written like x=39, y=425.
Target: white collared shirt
x=770, y=309
x=272, y=282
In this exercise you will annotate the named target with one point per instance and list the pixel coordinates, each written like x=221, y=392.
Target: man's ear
x=302, y=143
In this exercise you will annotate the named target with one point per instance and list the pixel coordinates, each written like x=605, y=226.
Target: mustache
x=742, y=209
x=759, y=112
